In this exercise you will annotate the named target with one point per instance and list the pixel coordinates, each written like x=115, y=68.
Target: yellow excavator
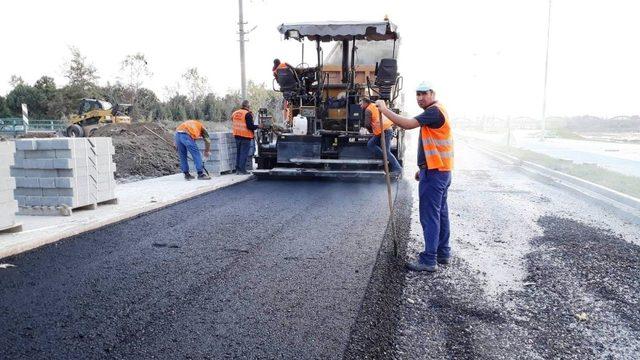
x=93, y=114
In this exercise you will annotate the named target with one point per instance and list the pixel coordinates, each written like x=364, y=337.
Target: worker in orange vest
x=278, y=65
x=435, y=161
x=372, y=122
x=242, y=128
x=185, y=141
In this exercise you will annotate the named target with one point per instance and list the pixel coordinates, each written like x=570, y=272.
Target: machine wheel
x=75, y=130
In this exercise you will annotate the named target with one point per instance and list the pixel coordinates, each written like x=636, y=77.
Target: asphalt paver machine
x=322, y=132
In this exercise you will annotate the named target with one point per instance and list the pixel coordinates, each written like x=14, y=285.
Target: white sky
x=483, y=57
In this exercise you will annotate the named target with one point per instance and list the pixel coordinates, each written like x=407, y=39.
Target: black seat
x=387, y=72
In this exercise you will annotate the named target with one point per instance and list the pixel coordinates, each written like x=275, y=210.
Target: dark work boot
x=188, y=176
x=203, y=176
x=419, y=266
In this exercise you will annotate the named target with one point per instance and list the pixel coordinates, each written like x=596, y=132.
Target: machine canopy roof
x=340, y=30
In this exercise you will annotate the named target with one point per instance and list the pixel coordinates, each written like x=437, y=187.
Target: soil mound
x=140, y=151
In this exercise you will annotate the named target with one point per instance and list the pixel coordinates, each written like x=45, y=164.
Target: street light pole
x=546, y=72
x=243, y=79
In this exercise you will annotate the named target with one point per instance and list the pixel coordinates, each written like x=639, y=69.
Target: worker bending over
x=243, y=128
x=372, y=122
x=186, y=135
x=435, y=160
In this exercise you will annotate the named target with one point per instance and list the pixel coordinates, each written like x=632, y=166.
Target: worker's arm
x=401, y=121
x=367, y=119
x=249, y=120
x=207, y=143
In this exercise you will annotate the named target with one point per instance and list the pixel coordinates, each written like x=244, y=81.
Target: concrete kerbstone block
x=47, y=183
x=25, y=182
x=38, y=154
x=26, y=144
x=61, y=143
x=27, y=192
x=63, y=163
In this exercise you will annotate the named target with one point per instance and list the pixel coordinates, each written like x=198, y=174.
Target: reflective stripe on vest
x=375, y=120
x=239, y=124
x=437, y=144
x=191, y=127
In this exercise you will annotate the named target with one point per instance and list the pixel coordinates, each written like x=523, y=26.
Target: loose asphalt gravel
x=264, y=269
x=537, y=273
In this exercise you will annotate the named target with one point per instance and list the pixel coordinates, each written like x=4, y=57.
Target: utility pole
x=546, y=71
x=241, y=24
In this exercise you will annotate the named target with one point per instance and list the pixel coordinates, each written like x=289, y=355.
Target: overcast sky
x=483, y=57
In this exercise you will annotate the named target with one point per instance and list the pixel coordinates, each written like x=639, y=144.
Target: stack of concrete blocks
x=8, y=205
x=223, y=153
x=106, y=168
x=55, y=173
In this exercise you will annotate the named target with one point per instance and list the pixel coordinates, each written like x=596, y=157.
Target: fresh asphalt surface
x=263, y=269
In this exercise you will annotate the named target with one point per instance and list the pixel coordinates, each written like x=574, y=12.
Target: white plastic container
x=299, y=125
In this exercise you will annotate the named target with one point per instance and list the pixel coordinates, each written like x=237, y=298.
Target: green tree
x=136, y=68
x=4, y=109
x=212, y=108
x=177, y=106
x=197, y=86
x=261, y=97
x=68, y=98
x=16, y=80
x=25, y=94
x=113, y=93
x=230, y=103
x=46, y=86
x=146, y=101
x=79, y=71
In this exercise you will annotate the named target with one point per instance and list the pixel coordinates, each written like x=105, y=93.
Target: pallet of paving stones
x=223, y=153
x=57, y=176
x=8, y=204
x=106, y=169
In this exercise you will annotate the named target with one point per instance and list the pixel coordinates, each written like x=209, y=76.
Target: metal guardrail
x=624, y=205
x=16, y=126
x=47, y=124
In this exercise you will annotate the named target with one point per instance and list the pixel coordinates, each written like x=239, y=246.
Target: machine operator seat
x=386, y=77
x=288, y=81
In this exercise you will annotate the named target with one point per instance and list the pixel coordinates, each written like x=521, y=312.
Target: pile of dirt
x=140, y=153
x=38, y=135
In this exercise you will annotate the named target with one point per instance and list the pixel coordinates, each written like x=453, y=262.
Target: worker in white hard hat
x=435, y=162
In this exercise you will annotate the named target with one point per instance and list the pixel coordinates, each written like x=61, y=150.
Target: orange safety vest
x=239, y=127
x=192, y=127
x=283, y=65
x=375, y=120
x=438, y=143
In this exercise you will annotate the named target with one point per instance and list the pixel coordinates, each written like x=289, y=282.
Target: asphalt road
x=264, y=269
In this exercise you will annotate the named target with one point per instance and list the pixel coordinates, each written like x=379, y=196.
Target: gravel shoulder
x=537, y=274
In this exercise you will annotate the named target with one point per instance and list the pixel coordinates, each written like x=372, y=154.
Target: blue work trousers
x=184, y=144
x=375, y=147
x=434, y=215
x=242, y=152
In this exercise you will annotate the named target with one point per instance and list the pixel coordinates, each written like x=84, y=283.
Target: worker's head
x=245, y=105
x=276, y=63
x=364, y=102
x=425, y=96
